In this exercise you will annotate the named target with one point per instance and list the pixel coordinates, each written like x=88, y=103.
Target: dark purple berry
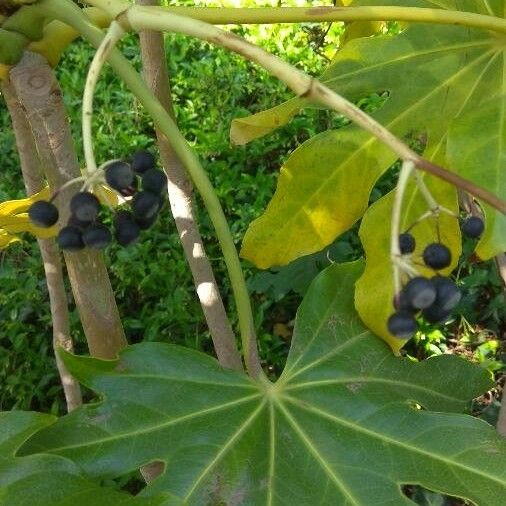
x=119, y=175
x=154, y=180
x=142, y=161
x=419, y=293
x=447, y=293
x=437, y=256
x=43, y=214
x=70, y=239
x=97, y=236
x=131, y=190
x=436, y=314
x=407, y=243
x=402, y=325
x=145, y=205
x=473, y=227
x=85, y=206
x=126, y=231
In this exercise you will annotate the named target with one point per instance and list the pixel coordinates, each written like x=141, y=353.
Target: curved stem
x=271, y=15
x=72, y=15
x=152, y=18
x=113, y=35
x=407, y=169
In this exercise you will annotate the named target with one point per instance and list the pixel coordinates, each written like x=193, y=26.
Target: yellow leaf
x=12, y=207
x=6, y=239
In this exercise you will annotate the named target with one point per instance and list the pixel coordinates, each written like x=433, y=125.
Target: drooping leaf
x=477, y=145
x=339, y=427
x=48, y=480
x=431, y=73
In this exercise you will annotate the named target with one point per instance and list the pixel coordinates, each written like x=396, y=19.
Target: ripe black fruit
x=126, y=231
x=85, y=206
x=436, y=314
x=76, y=222
x=129, y=191
x=142, y=161
x=70, y=239
x=119, y=175
x=145, y=223
x=145, y=205
x=418, y=293
x=473, y=227
x=154, y=180
x=402, y=324
x=97, y=236
x=437, y=256
x=447, y=293
x=407, y=243
x=43, y=214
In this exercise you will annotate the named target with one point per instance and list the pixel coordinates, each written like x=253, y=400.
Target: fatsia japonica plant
x=349, y=421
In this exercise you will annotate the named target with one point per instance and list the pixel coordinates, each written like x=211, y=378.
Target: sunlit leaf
x=341, y=426
x=432, y=74
x=477, y=145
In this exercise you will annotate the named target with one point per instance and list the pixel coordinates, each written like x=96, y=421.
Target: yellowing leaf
x=14, y=219
x=477, y=146
x=432, y=75
x=374, y=292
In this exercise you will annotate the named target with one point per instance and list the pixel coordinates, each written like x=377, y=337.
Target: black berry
x=119, y=175
x=437, y=256
x=126, y=231
x=145, y=223
x=85, y=206
x=473, y=227
x=419, y=293
x=436, y=314
x=142, y=161
x=70, y=239
x=402, y=325
x=145, y=205
x=97, y=236
x=407, y=243
x=129, y=191
x=447, y=293
x=43, y=214
x=154, y=180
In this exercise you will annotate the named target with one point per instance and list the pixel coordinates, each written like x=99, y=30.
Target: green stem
x=272, y=15
x=69, y=13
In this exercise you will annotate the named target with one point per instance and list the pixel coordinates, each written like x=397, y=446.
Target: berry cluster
x=434, y=298
x=85, y=228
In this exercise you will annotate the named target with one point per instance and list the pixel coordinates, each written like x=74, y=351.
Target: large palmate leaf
x=47, y=480
x=340, y=427
x=431, y=73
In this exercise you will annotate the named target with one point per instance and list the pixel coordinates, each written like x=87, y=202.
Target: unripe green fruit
x=26, y=21
x=12, y=46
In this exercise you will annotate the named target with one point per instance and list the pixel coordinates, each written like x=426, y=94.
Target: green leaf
x=477, y=145
x=48, y=480
x=432, y=74
x=342, y=415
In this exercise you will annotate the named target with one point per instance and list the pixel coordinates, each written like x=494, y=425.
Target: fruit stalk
x=155, y=73
x=34, y=182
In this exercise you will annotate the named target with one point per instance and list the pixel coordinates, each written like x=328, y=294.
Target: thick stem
x=142, y=18
x=72, y=15
x=273, y=15
x=40, y=95
x=156, y=75
x=34, y=182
